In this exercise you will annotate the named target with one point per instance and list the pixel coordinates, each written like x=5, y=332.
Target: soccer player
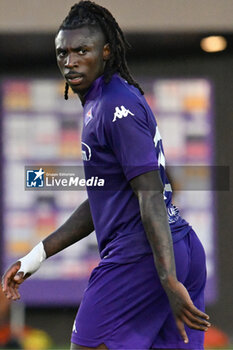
x=148, y=289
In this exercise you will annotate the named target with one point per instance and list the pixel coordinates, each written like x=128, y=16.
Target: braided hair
x=89, y=13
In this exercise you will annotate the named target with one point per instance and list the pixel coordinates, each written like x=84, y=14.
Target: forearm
x=154, y=218
x=78, y=226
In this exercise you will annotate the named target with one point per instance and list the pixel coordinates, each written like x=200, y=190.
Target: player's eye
x=61, y=53
x=82, y=51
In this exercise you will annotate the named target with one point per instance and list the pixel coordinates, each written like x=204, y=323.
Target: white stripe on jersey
x=157, y=137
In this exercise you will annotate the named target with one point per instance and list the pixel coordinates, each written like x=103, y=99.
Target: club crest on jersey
x=88, y=117
x=121, y=112
x=86, y=152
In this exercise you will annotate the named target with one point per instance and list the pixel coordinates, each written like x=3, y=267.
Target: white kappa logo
x=121, y=113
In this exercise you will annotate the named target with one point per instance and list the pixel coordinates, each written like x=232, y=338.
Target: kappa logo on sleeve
x=121, y=112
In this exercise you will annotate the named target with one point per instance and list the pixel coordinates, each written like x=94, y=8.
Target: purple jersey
x=121, y=140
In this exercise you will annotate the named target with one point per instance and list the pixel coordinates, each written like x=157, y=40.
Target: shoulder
x=120, y=98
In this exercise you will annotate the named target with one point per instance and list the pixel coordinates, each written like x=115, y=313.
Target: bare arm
x=78, y=226
x=149, y=190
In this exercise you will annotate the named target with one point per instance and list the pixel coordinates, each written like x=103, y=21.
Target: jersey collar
x=94, y=88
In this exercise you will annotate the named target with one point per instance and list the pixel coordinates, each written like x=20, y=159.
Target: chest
x=95, y=148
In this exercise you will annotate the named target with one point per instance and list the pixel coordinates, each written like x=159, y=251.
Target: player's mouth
x=74, y=79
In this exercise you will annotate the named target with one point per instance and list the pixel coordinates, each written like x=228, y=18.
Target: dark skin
x=149, y=191
x=81, y=57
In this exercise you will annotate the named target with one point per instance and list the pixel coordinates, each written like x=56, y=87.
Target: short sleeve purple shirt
x=121, y=140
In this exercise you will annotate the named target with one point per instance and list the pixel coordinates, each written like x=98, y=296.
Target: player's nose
x=71, y=60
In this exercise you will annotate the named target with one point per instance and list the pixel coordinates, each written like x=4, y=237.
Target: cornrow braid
x=89, y=13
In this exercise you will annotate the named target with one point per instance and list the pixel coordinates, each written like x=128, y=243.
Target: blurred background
x=182, y=55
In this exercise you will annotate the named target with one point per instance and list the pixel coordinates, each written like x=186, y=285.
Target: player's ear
x=106, y=52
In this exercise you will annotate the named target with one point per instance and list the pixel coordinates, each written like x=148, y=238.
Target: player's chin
x=77, y=88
